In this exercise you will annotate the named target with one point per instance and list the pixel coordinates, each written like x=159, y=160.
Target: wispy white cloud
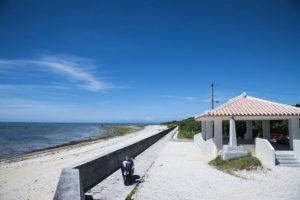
x=16, y=105
x=26, y=87
x=187, y=98
x=190, y=98
x=75, y=68
x=168, y=96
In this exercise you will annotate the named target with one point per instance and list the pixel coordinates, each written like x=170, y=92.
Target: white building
x=248, y=109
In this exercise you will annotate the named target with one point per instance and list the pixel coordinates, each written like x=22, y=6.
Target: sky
x=143, y=61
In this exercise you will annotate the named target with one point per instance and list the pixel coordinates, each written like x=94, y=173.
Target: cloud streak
x=26, y=87
x=185, y=98
x=190, y=98
x=76, y=69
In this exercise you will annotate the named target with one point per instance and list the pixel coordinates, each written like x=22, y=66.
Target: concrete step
x=287, y=158
x=284, y=153
x=284, y=156
x=288, y=161
x=290, y=165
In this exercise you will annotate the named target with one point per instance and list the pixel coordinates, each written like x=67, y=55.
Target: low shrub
x=248, y=162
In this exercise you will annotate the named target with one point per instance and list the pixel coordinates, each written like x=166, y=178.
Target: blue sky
x=143, y=61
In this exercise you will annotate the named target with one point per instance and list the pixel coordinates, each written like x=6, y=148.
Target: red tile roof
x=244, y=105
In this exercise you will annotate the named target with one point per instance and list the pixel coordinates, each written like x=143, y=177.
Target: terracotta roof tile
x=244, y=105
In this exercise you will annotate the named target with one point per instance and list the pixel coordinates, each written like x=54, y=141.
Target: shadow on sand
x=134, y=179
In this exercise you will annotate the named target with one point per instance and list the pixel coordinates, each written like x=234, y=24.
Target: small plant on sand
x=248, y=162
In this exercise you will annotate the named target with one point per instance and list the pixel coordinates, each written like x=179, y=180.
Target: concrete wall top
x=69, y=185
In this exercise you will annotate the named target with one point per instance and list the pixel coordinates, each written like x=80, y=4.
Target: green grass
x=185, y=134
x=111, y=131
x=246, y=162
x=187, y=128
x=130, y=195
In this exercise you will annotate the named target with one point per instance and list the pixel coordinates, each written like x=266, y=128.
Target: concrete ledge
x=265, y=151
x=80, y=178
x=69, y=185
x=229, y=152
x=233, y=148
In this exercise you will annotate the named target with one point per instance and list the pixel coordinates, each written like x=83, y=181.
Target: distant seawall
x=76, y=180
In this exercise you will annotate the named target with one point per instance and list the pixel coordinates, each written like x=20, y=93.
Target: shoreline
x=75, y=143
x=35, y=176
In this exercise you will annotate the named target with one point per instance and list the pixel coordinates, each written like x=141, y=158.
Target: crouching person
x=127, y=169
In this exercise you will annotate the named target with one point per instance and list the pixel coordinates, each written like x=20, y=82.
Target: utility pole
x=212, y=96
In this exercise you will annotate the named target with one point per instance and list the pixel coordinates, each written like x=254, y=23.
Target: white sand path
x=36, y=176
x=180, y=173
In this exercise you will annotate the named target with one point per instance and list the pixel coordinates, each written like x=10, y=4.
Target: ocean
x=19, y=138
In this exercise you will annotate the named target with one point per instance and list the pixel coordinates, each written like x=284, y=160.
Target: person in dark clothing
x=127, y=168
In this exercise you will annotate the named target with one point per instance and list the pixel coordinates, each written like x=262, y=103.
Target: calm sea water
x=19, y=138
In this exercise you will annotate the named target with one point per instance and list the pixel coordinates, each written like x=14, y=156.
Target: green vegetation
x=130, y=195
x=113, y=130
x=246, y=162
x=277, y=126
x=187, y=127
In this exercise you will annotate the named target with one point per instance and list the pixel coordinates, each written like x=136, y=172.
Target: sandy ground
x=36, y=176
x=180, y=173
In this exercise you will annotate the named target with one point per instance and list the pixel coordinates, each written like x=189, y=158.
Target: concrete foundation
x=229, y=152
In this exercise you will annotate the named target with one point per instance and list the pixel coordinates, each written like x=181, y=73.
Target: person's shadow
x=88, y=197
x=134, y=179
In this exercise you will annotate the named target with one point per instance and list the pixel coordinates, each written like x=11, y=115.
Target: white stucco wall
x=249, y=130
x=209, y=129
x=207, y=148
x=218, y=135
x=264, y=151
x=294, y=130
x=266, y=129
x=203, y=129
x=198, y=139
x=297, y=148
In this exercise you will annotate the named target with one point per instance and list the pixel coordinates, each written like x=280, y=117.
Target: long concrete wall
x=265, y=151
x=93, y=171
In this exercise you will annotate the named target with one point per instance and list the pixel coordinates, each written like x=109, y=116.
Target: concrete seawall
x=93, y=171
